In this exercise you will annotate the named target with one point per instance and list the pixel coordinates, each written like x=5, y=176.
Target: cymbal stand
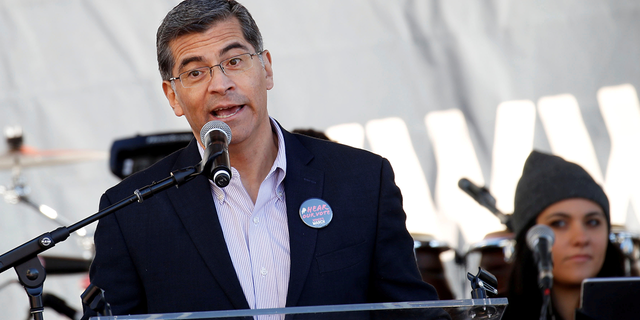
x=18, y=192
x=24, y=258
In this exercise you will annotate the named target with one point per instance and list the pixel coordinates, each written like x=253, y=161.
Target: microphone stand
x=485, y=199
x=546, y=305
x=545, y=288
x=24, y=258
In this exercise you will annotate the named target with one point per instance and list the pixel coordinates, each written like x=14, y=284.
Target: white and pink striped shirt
x=257, y=236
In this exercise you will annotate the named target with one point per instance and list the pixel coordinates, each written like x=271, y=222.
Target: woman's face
x=581, y=233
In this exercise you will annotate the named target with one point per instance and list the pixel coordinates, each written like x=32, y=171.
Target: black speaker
x=130, y=155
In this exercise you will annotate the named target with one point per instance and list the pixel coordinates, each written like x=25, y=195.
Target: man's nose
x=220, y=81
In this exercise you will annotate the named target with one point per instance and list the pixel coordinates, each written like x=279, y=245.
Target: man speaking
x=301, y=222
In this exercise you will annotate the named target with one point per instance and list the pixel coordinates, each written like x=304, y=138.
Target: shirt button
x=279, y=194
x=263, y=271
x=220, y=197
x=256, y=220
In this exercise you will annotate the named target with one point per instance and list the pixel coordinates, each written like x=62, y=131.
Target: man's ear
x=169, y=91
x=268, y=68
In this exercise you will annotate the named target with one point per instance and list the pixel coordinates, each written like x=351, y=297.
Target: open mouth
x=227, y=112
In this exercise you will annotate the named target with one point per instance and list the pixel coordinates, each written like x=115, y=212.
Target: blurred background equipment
x=52, y=301
x=64, y=265
x=427, y=250
x=20, y=156
x=497, y=247
x=485, y=199
x=629, y=243
x=60, y=306
x=311, y=133
x=133, y=154
x=491, y=86
x=496, y=251
x=130, y=155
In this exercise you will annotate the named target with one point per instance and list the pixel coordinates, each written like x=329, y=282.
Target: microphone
x=216, y=136
x=485, y=199
x=540, y=239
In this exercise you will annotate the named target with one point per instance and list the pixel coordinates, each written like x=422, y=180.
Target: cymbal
x=428, y=242
x=27, y=157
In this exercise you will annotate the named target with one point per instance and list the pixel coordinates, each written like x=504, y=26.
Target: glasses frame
x=219, y=65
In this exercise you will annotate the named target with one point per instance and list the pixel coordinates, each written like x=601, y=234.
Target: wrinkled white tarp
x=77, y=74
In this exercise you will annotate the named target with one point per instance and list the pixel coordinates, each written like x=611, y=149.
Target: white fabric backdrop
x=444, y=89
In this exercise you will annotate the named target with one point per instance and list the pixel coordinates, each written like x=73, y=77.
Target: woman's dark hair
x=547, y=179
x=525, y=299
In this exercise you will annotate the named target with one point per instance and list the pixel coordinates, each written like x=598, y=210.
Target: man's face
x=239, y=100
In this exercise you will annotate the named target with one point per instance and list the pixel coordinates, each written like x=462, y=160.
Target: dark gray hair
x=196, y=16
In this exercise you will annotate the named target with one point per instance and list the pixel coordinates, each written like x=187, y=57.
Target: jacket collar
x=194, y=205
x=302, y=182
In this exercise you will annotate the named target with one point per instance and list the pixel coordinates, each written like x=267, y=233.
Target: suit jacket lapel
x=301, y=183
x=194, y=205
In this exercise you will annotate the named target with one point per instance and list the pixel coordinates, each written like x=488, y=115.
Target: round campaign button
x=316, y=213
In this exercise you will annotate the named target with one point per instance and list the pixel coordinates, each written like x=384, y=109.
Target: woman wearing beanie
x=563, y=196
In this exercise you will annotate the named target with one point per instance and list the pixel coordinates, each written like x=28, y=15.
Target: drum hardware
x=427, y=251
x=52, y=301
x=496, y=254
x=20, y=156
x=629, y=244
x=24, y=258
x=496, y=249
x=505, y=244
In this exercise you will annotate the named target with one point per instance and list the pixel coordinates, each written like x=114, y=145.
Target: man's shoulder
x=332, y=148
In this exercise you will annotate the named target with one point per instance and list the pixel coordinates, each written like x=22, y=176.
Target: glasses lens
x=195, y=77
x=237, y=64
x=230, y=66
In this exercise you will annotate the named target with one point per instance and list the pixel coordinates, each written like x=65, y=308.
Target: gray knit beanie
x=547, y=179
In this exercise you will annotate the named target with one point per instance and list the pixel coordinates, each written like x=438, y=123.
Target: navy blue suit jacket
x=168, y=254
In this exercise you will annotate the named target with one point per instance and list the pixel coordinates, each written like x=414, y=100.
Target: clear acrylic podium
x=491, y=309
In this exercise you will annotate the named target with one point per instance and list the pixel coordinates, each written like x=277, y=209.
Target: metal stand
x=24, y=259
x=93, y=298
x=481, y=283
x=485, y=199
x=31, y=275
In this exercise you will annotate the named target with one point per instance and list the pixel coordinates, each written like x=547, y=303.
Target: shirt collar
x=278, y=168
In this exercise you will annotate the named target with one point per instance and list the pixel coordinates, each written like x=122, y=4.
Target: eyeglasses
x=231, y=66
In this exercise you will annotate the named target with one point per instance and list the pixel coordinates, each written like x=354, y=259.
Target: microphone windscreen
x=215, y=125
x=464, y=184
x=539, y=231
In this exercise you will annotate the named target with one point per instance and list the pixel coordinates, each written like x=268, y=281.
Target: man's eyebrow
x=186, y=61
x=235, y=45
